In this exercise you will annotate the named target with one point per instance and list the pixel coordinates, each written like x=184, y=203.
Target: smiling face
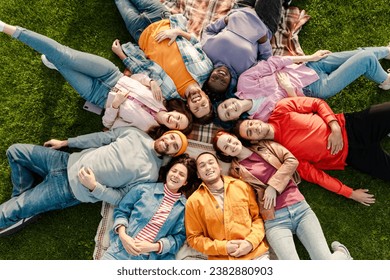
x=175, y=120
x=229, y=145
x=253, y=129
x=208, y=169
x=168, y=144
x=230, y=110
x=176, y=177
x=198, y=102
x=219, y=80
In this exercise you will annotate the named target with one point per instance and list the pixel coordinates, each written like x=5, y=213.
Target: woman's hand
x=128, y=242
x=319, y=55
x=285, y=83
x=87, y=178
x=269, y=197
x=156, y=90
x=119, y=98
x=117, y=49
x=146, y=247
x=167, y=34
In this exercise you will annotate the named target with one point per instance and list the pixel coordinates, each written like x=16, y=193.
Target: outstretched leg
x=139, y=14
x=28, y=200
x=90, y=75
x=339, y=69
x=366, y=130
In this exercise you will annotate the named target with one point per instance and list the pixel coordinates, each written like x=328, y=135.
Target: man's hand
x=87, y=178
x=243, y=248
x=362, y=196
x=56, y=144
x=335, y=139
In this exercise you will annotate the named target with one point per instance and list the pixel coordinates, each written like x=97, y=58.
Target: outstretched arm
x=311, y=174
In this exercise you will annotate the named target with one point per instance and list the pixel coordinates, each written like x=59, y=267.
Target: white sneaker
x=386, y=84
x=337, y=246
x=47, y=63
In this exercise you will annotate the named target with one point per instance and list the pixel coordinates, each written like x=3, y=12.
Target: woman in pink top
x=270, y=169
x=139, y=99
x=322, y=75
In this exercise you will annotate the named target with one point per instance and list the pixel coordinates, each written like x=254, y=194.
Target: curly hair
x=192, y=179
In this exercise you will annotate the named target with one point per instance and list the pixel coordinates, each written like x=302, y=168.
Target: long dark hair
x=218, y=152
x=179, y=106
x=192, y=179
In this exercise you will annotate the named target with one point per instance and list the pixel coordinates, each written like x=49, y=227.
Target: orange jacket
x=209, y=229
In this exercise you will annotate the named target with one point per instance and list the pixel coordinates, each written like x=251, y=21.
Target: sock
x=2, y=25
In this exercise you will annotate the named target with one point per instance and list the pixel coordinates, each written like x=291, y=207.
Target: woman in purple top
x=234, y=43
x=269, y=168
x=322, y=75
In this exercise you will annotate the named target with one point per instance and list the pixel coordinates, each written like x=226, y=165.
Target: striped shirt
x=149, y=232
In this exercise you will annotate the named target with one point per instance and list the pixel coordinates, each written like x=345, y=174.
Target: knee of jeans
x=12, y=150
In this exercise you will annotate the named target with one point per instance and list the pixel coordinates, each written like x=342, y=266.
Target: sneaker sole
x=11, y=231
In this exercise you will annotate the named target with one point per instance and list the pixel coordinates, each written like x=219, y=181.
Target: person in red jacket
x=322, y=140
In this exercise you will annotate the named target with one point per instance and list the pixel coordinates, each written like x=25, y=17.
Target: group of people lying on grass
x=281, y=130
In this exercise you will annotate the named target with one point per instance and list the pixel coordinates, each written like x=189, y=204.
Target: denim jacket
x=135, y=211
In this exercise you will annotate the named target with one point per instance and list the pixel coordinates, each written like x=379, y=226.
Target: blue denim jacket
x=135, y=211
x=196, y=61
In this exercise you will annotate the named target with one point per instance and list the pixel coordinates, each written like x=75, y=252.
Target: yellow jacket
x=208, y=229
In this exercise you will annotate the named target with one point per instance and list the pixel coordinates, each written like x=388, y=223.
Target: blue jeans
x=40, y=183
x=298, y=219
x=339, y=69
x=90, y=75
x=139, y=14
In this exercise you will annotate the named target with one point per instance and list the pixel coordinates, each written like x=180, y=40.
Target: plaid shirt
x=197, y=63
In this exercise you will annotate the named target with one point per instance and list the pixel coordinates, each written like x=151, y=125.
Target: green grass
x=36, y=104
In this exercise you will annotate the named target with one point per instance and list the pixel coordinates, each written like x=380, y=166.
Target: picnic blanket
x=199, y=13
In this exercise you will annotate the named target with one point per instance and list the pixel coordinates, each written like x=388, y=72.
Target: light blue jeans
x=40, y=183
x=139, y=14
x=90, y=75
x=298, y=219
x=339, y=69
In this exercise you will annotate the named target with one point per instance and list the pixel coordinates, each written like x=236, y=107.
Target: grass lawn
x=36, y=104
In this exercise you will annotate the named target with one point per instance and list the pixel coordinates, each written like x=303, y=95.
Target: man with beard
x=45, y=178
x=166, y=52
x=222, y=216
